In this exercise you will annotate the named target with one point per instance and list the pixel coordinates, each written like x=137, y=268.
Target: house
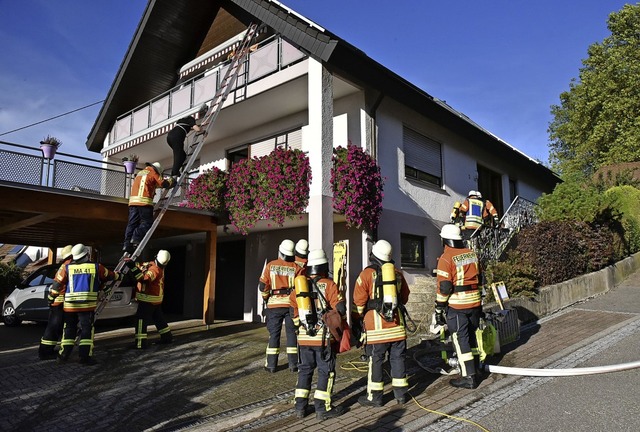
x=303, y=87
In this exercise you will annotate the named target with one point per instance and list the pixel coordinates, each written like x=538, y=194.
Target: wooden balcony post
x=210, y=282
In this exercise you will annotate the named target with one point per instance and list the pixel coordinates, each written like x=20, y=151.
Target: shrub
x=10, y=276
x=519, y=277
x=626, y=200
x=357, y=187
x=207, y=191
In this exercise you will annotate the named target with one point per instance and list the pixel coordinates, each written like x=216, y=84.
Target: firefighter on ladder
x=55, y=323
x=150, y=293
x=459, y=303
x=314, y=296
x=275, y=285
x=143, y=191
x=83, y=280
x=379, y=290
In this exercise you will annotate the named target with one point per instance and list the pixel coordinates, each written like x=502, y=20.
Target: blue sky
x=503, y=63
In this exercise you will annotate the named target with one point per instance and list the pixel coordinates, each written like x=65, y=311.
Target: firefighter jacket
x=301, y=262
x=457, y=279
x=150, y=289
x=476, y=212
x=377, y=329
x=144, y=187
x=333, y=296
x=276, y=282
x=82, y=281
x=58, y=291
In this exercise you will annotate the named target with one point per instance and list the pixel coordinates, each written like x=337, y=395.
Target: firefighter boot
x=468, y=382
x=401, y=396
x=332, y=413
x=375, y=401
x=302, y=407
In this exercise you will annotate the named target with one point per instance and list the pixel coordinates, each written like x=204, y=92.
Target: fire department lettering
x=76, y=270
x=465, y=259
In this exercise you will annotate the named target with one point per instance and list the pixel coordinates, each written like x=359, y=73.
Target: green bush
x=10, y=276
x=626, y=199
x=519, y=277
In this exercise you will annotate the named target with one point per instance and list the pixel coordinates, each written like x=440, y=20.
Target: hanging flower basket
x=129, y=166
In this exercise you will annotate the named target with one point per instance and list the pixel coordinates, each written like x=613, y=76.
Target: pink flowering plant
x=357, y=187
x=273, y=187
x=207, y=191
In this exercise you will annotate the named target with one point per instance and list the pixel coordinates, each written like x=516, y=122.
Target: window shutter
x=422, y=153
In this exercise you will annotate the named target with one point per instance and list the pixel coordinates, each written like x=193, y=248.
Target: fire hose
x=561, y=372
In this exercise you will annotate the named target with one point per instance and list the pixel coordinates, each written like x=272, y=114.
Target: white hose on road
x=561, y=372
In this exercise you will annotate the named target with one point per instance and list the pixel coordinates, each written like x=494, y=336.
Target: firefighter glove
x=441, y=315
x=50, y=299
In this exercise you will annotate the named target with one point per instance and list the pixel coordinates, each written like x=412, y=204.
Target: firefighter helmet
x=302, y=248
x=163, y=257
x=472, y=193
x=66, y=252
x=156, y=166
x=286, y=248
x=317, y=263
x=382, y=250
x=79, y=251
x=478, y=194
x=450, y=232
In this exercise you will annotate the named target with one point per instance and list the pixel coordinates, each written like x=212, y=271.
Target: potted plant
x=49, y=145
x=130, y=163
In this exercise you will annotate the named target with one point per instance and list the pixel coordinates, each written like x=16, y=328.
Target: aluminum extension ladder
x=161, y=207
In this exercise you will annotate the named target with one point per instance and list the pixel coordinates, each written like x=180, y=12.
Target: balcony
x=155, y=117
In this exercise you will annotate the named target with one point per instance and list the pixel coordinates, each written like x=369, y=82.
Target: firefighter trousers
x=52, y=333
x=149, y=313
x=377, y=353
x=71, y=321
x=462, y=324
x=311, y=358
x=275, y=318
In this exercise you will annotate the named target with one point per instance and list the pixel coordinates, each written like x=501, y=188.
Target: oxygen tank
x=304, y=300
x=455, y=212
x=389, y=291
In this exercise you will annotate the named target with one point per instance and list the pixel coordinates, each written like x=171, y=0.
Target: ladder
x=161, y=207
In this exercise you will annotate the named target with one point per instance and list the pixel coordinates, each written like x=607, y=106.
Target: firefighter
x=314, y=296
x=83, y=280
x=275, y=285
x=301, y=250
x=459, y=303
x=141, y=204
x=475, y=212
x=379, y=290
x=55, y=323
x=150, y=293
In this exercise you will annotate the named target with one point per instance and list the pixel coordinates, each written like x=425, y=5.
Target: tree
x=598, y=119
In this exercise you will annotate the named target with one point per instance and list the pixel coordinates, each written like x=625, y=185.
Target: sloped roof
x=170, y=34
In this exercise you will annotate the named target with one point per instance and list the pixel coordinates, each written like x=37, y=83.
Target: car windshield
x=43, y=276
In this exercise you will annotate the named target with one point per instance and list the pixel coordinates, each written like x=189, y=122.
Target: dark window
x=236, y=155
x=513, y=189
x=412, y=251
x=422, y=158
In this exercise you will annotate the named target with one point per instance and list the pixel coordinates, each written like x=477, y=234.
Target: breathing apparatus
x=306, y=305
x=389, y=291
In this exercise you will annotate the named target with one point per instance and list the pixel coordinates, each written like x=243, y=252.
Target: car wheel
x=9, y=315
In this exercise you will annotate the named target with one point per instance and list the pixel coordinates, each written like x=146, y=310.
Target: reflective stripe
x=390, y=334
x=322, y=395
x=442, y=273
x=48, y=342
x=140, y=296
x=400, y=382
x=273, y=351
x=167, y=329
x=375, y=386
x=301, y=393
x=279, y=301
x=441, y=298
x=292, y=350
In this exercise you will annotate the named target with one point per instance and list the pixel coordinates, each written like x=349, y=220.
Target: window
x=411, y=251
x=236, y=155
x=513, y=189
x=287, y=140
x=422, y=158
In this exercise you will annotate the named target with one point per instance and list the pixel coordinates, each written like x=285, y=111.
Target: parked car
x=28, y=301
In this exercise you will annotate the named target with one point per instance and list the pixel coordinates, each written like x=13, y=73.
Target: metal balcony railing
x=272, y=55
x=490, y=242
x=27, y=165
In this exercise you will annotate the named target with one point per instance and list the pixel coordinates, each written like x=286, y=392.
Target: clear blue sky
x=503, y=63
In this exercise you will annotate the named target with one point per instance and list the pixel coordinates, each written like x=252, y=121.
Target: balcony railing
x=271, y=55
x=27, y=165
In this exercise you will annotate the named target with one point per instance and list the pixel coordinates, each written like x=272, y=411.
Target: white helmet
x=302, y=247
x=472, y=193
x=286, y=248
x=317, y=257
x=156, y=166
x=451, y=232
x=163, y=257
x=79, y=251
x=382, y=250
x=478, y=194
x=66, y=252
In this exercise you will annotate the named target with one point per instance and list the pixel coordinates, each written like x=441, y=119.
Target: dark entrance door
x=490, y=185
x=230, y=280
x=174, y=277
